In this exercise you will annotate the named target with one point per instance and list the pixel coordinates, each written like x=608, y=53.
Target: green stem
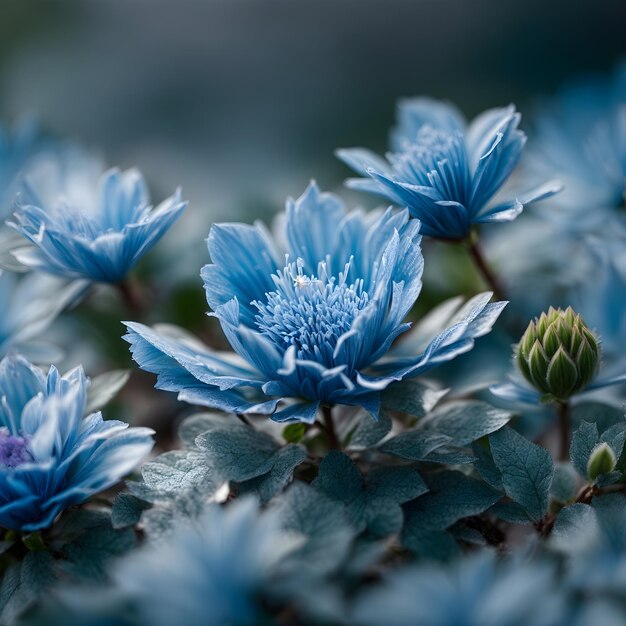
x=565, y=434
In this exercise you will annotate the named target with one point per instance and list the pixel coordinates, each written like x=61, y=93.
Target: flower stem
x=329, y=428
x=131, y=297
x=563, y=416
x=488, y=275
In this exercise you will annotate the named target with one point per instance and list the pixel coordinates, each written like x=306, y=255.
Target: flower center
x=436, y=152
x=13, y=450
x=310, y=312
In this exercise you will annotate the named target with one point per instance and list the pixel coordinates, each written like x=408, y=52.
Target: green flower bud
x=558, y=354
x=601, y=461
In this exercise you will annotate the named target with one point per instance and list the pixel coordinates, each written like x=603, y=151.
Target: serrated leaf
x=102, y=389
x=414, y=445
x=127, y=510
x=87, y=556
x=201, y=423
x=238, y=452
x=371, y=502
x=307, y=511
x=465, y=422
x=179, y=470
x=583, y=442
x=273, y=482
x=369, y=432
x=527, y=470
x=452, y=497
x=411, y=397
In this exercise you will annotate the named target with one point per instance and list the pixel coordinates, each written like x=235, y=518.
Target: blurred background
x=241, y=102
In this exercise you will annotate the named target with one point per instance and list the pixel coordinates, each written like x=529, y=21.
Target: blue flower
x=316, y=327
x=102, y=242
x=445, y=171
x=52, y=457
x=475, y=591
x=211, y=570
x=581, y=137
x=18, y=148
x=29, y=305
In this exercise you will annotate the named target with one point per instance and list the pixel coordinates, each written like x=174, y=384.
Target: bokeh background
x=241, y=102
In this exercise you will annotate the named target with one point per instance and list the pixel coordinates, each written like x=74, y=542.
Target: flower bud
x=558, y=354
x=601, y=461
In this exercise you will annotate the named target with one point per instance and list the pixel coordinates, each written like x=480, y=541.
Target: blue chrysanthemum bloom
x=102, y=242
x=445, y=171
x=29, y=305
x=312, y=320
x=212, y=569
x=51, y=456
x=581, y=138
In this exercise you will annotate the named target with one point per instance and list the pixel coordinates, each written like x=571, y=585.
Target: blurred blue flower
x=101, y=242
x=445, y=171
x=581, y=138
x=18, y=148
x=475, y=591
x=211, y=570
x=317, y=326
x=52, y=457
x=29, y=305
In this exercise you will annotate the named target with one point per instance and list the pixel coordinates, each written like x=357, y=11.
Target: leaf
x=486, y=467
x=565, y=483
x=307, y=511
x=273, y=482
x=439, y=545
x=102, y=389
x=575, y=530
x=452, y=497
x=369, y=432
x=465, y=422
x=602, y=415
x=179, y=470
x=294, y=433
x=510, y=512
x=201, y=423
x=372, y=502
x=238, y=452
x=127, y=510
x=414, y=445
x=86, y=556
x=411, y=397
x=24, y=583
x=527, y=470
x=583, y=442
